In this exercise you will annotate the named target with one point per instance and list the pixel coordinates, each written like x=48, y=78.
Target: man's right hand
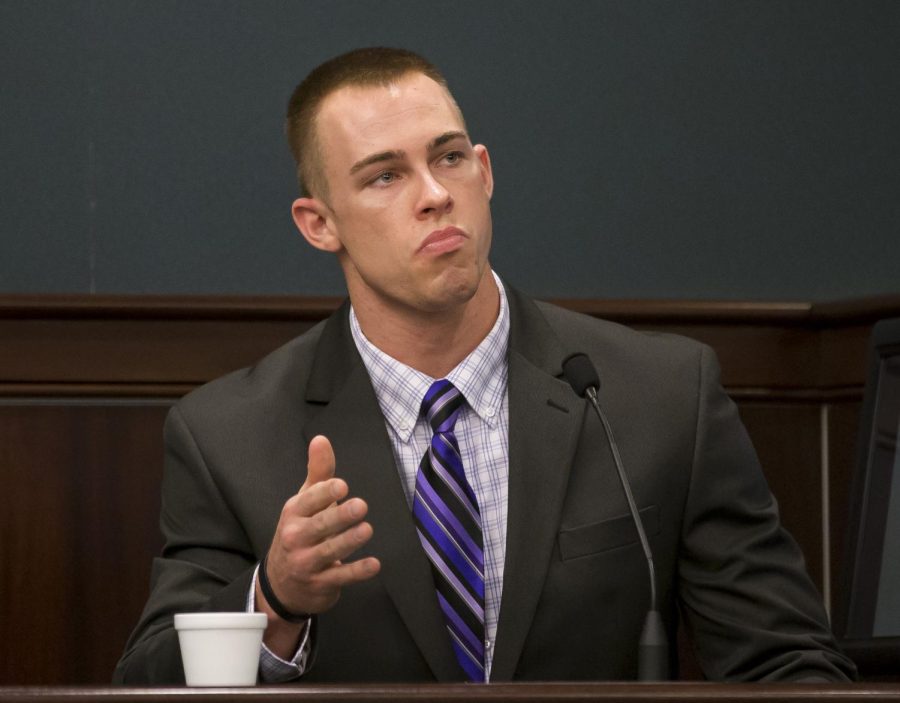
x=314, y=535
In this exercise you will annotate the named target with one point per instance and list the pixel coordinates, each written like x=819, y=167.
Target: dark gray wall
x=641, y=149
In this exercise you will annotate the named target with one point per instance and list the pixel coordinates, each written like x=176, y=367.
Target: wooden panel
x=843, y=428
x=134, y=351
x=78, y=528
x=50, y=344
x=842, y=356
x=786, y=437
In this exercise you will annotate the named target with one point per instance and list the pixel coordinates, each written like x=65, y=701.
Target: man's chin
x=465, y=281
x=453, y=291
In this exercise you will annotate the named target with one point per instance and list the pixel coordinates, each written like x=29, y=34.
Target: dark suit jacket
x=575, y=587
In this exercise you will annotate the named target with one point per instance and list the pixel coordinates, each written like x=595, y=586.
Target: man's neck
x=432, y=342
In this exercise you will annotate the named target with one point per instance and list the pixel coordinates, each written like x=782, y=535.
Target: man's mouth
x=442, y=240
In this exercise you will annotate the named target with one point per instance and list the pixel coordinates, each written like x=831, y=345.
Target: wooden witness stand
x=466, y=693
x=86, y=381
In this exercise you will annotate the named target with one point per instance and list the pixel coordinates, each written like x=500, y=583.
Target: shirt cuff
x=272, y=668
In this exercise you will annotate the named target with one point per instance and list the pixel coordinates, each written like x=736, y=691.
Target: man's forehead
x=365, y=111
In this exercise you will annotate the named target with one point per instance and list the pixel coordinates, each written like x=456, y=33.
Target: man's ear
x=314, y=220
x=484, y=161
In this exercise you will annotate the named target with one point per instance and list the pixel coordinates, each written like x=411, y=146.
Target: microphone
x=653, y=650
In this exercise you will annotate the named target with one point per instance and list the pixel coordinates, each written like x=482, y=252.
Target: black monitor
x=867, y=620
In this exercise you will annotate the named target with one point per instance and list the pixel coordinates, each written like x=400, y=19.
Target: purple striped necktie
x=445, y=512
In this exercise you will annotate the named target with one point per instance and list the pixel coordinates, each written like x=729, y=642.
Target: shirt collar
x=481, y=377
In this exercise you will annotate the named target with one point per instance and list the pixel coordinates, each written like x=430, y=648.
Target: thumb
x=320, y=466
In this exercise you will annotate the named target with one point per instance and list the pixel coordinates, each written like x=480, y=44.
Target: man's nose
x=434, y=197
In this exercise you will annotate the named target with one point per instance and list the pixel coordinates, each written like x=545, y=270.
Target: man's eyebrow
x=398, y=155
x=446, y=137
x=377, y=158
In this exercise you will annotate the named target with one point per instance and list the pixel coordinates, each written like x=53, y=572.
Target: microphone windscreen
x=580, y=373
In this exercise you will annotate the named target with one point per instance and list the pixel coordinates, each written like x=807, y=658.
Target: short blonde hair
x=373, y=66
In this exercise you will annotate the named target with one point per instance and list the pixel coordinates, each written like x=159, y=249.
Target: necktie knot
x=441, y=405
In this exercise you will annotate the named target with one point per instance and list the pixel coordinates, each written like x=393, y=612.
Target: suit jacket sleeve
x=748, y=603
x=207, y=563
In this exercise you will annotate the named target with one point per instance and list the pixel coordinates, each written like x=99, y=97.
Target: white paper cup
x=220, y=649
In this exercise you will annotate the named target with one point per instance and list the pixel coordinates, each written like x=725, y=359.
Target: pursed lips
x=442, y=240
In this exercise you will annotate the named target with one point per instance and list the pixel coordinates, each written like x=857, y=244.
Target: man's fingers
x=317, y=497
x=311, y=518
x=314, y=543
x=321, y=591
x=317, y=577
x=337, y=548
x=321, y=463
x=341, y=575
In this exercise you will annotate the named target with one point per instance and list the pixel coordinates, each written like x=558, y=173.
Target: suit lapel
x=545, y=418
x=352, y=420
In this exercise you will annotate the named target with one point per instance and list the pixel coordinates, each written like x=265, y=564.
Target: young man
x=461, y=516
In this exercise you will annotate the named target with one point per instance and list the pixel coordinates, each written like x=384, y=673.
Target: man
x=460, y=516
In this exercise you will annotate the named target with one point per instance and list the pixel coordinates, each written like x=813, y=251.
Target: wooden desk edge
x=453, y=693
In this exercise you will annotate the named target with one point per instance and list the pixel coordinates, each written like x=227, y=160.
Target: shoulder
x=280, y=374
x=614, y=347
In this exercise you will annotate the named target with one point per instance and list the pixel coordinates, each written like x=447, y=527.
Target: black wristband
x=272, y=599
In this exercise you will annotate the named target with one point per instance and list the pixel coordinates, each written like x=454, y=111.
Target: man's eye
x=454, y=157
x=385, y=178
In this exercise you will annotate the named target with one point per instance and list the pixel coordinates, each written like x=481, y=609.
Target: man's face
x=408, y=203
